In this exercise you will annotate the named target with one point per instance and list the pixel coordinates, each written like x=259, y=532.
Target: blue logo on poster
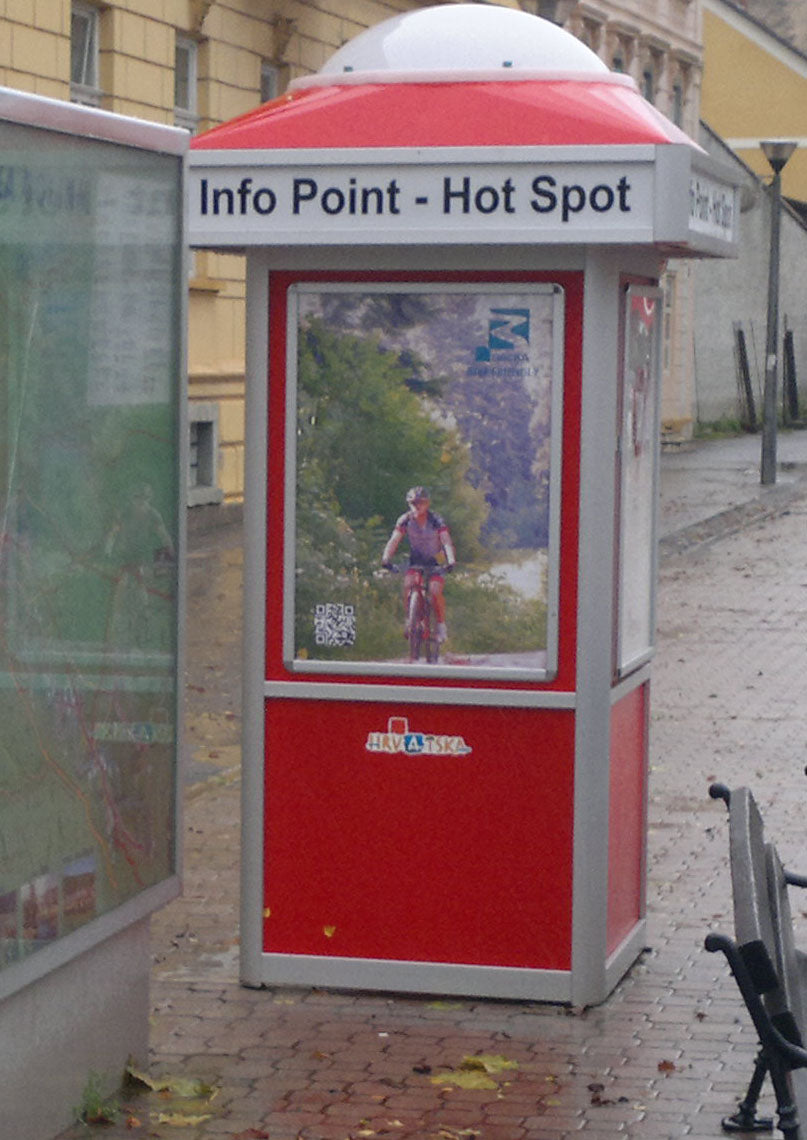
x=508, y=330
x=413, y=743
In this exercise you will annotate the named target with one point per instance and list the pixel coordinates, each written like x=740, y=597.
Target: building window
x=84, y=55
x=649, y=84
x=203, y=448
x=677, y=104
x=591, y=35
x=185, y=73
x=618, y=62
x=270, y=81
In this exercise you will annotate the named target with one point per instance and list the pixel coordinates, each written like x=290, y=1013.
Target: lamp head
x=777, y=152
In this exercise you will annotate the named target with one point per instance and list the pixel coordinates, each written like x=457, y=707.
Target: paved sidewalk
x=671, y=1049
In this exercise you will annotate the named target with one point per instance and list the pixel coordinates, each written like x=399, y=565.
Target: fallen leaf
x=133, y=1122
x=666, y=1066
x=189, y=1088
x=465, y=1079
x=597, y=1099
x=251, y=1134
x=488, y=1062
x=177, y=1120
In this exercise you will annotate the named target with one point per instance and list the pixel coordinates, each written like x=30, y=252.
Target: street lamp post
x=777, y=153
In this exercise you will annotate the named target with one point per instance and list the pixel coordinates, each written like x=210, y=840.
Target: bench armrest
x=720, y=792
x=769, y=1036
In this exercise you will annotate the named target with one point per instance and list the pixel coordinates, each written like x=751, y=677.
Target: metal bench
x=770, y=972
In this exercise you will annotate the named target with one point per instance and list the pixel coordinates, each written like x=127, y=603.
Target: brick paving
x=665, y=1056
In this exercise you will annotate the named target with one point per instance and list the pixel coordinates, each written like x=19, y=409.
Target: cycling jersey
x=425, y=542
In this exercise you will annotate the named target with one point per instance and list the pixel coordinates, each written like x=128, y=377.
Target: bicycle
x=421, y=626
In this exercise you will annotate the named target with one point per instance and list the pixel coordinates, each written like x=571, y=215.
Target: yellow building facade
x=754, y=88
x=197, y=63
x=193, y=63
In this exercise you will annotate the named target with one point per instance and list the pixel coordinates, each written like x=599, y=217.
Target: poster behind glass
x=639, y=448
x=90, y=260
x=455, y=389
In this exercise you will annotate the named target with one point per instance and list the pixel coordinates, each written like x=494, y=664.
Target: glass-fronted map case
x=90, y=334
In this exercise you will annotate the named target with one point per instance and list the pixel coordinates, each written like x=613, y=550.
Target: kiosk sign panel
x=386, y=199
x=453, y=389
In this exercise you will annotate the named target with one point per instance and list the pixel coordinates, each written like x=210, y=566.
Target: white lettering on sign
x=400, y=203
x=711, y=207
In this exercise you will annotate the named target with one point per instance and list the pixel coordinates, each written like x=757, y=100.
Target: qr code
x=334, y=624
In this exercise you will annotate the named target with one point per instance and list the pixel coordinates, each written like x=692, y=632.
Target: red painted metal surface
x=572, y=284
x=545, y=112
x=443, y=857
x=449, y=857
x=627, y=816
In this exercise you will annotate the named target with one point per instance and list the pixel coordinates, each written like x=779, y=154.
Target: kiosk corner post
x=254, y=649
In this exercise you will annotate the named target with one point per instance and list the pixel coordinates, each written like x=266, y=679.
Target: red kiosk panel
x=458, y=850
x=627, y=815
x=400, y=826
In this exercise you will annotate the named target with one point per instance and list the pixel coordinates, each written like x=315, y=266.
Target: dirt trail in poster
x=452, y=389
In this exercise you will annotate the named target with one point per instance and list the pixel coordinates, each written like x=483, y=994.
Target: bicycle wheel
x=415, y=625
x=430, y=642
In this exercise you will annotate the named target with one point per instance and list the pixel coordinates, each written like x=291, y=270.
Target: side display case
x=91, y=533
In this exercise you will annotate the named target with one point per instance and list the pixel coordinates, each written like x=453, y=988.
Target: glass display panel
x=424, y=430
x=638, y=450
x=90, y=353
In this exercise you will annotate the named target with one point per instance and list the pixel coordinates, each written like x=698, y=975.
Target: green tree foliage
x=365, y=436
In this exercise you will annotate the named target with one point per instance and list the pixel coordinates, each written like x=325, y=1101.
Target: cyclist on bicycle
x=428, y=538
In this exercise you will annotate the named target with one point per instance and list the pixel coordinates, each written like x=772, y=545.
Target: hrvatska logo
x=508, y=331
x=398, y=739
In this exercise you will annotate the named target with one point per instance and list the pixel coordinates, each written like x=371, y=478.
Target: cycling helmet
x=417, y=493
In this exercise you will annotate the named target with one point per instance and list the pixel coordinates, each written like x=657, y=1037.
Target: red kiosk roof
x=579, y=111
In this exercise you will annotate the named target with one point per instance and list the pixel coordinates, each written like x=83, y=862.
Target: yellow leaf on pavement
x=465, y=1079
x=488, y=1063
x=189, y=1088
x=177, y=1120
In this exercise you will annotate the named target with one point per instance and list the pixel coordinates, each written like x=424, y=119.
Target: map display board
x=455, y=388
x=90, y=356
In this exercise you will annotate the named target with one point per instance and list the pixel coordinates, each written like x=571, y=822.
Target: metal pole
x=769, y=409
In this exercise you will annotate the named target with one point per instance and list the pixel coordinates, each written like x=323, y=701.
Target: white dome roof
x=464, y=38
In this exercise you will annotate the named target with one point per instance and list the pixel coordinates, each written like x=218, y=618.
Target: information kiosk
x=454, y=237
